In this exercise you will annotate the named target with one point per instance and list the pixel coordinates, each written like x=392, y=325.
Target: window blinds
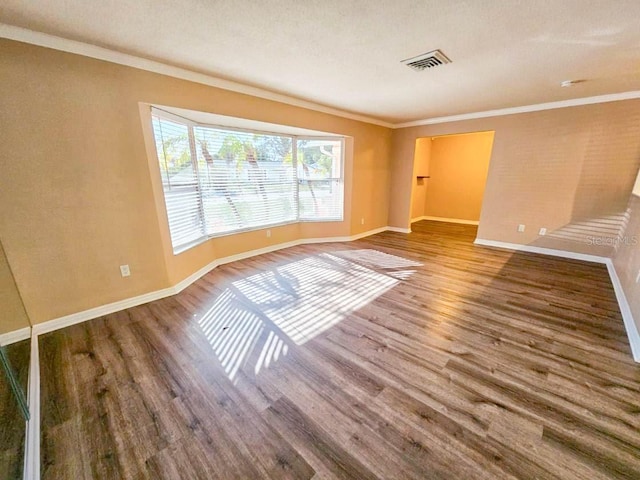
x=320, y=174
x=220, y=180
x=180, y=182
x=247, y=179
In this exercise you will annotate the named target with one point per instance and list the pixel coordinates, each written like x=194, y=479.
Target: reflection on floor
x=12, y=424
x=290, y=304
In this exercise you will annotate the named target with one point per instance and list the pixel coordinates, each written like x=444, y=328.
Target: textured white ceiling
x=346, y=53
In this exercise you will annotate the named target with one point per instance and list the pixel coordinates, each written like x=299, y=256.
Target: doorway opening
x=450, y=174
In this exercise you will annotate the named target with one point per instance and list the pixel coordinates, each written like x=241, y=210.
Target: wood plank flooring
x=12, y=423
x=396, y=356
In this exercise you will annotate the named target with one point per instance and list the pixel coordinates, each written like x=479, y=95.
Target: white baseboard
x=399, y=230
x=231, y=258
x=32, y=439
x=15, y=336
x=96, y=312
x=260, y=251
x=368, y=233
x=83, y=316
x=627, y=317
x=68, y=320
x=445, y=219
x=541, y=250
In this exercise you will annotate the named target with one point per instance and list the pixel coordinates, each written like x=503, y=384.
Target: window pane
x=320, y=179
x=179, y=181
x=219, y=180
x=247, y=179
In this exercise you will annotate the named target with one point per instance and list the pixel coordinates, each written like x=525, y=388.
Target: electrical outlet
x=268, y=233
x=124, y=270
x=521, y=228
x=362, y=221
x=543, y=231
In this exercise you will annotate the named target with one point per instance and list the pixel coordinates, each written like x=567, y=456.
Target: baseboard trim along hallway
x=629, y=323
x=446, y=220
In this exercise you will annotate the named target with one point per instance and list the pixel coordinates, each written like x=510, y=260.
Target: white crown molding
x=613, y=97
x=15, y=336
x=445, y=219
x=24, y=35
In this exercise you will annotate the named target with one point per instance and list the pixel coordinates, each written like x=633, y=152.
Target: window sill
x=201, y=240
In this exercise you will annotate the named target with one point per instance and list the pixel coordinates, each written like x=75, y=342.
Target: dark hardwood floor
x=395, y=356
x=12, y=423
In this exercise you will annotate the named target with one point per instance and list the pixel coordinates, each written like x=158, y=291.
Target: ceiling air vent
x=427, y=60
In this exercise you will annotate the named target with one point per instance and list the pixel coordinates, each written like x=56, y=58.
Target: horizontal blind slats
x=179, y=181
x=321, y=190
x=247, y=178
x=241, y=180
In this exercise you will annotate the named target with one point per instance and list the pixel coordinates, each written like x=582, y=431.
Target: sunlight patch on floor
x=257, y=319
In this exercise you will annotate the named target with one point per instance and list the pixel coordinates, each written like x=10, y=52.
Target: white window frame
x=190, y=124
x=340, y=180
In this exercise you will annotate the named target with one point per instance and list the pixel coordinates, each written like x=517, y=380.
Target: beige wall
x=458, y=171
x=627, y=259
x=421, y=163
x=79, y=197
x=12, y=314
x=548, y=169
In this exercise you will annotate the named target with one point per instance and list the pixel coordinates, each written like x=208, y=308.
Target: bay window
x=220, y=180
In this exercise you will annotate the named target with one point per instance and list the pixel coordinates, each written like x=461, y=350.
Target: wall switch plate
x=638, y=277
x=124, y=270
x=362, y=221
x=521, y=228
x=543, y=231
x=268, y=233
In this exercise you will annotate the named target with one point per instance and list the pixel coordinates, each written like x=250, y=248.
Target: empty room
x=320, y=240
